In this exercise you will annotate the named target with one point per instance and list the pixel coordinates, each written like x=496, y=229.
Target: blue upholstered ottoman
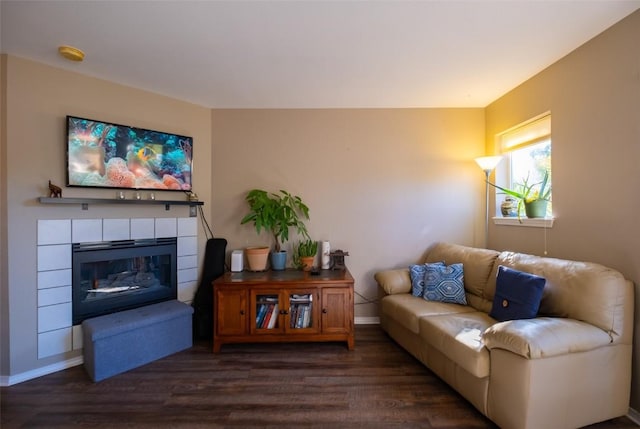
x=121, y=341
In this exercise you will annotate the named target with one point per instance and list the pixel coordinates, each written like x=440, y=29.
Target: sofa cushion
x=518, y=295
x=394, y=281
x=444, y=283
x=477, y=265
x=459, y=337
x=407, y=309
x=417, y=273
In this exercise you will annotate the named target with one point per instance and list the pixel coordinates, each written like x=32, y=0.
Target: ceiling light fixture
x=71, y=53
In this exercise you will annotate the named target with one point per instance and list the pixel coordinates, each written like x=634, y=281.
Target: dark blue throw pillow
x=518, y=295
x=416, y=272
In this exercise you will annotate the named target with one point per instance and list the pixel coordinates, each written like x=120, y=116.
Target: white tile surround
x=56, y=334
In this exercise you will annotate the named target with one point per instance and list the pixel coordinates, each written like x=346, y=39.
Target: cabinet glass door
x=266, y=311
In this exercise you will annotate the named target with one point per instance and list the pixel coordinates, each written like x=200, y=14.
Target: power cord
x=366, y=300
x=205, y=224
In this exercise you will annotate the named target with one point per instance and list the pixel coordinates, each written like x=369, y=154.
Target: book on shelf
x=295, y=298
x=306, y=321
x=293, y=311
x=267, y=298
x=295, y=317
x=298, y=314
x=300, y=318
x=274, y=317
x=267, y=316
x=260, y=314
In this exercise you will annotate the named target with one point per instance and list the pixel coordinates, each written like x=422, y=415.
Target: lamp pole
x=486, y=216
x=488, y=164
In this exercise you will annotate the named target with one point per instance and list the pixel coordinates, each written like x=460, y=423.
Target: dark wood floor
x=254, y=386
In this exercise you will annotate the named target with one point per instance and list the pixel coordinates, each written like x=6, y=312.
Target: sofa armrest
x=544, y=337
x=394, y=281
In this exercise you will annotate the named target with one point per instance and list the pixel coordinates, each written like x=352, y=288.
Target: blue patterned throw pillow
x=518, y=295
x=445, y=283
x=417, y=277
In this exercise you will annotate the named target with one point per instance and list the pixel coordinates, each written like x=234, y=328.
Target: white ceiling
x=310, y=54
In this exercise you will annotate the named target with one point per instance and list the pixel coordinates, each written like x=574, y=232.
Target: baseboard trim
x=634, y=416
x=6, y=381
x=367, y=320
x=10, y=380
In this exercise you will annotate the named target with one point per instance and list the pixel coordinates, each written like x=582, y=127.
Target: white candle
x=325, y=251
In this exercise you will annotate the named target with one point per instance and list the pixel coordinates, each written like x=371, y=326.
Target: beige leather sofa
x=567, y=368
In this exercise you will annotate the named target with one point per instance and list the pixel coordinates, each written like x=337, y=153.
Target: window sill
x=533, y=223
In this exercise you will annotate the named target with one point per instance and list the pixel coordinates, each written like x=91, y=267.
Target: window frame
x=527, y=133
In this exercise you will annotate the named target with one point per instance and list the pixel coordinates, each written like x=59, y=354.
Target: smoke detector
x=71, y=53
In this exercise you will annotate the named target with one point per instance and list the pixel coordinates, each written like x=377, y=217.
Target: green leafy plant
x=276, y=213
x=528, y=192
x=306, y=248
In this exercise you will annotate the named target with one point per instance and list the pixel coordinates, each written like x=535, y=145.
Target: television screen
x=106, y=155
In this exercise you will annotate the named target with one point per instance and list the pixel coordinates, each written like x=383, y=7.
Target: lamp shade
x=488, y=163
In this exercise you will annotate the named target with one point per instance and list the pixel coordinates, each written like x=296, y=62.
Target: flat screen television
x=106, y=155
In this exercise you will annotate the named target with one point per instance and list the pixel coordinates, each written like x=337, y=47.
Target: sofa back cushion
x=478, y=265
x=582, y=291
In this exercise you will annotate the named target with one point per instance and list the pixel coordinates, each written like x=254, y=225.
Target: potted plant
x=534, y=196
x=276, y=213
x=304, y=254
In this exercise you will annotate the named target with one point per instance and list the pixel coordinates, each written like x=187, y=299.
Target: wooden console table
x=283, y=306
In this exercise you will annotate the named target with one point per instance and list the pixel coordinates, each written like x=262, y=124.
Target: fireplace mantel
x=84, y=202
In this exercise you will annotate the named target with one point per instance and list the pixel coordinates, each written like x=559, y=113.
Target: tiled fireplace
x=57, y=332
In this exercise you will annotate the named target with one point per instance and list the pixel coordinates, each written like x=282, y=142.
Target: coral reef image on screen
x=101, y=154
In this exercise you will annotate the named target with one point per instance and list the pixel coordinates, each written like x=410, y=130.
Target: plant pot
x=279, y=260
x=307, y=262
x=509, y=207
x=257, y=258
x=536, y=208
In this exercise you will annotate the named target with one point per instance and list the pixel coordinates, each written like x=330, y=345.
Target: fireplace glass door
x=115, y=276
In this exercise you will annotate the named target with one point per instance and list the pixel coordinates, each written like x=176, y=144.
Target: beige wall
x=38, y=97
x=4, y=292
x=594, y=98
x=380, y=184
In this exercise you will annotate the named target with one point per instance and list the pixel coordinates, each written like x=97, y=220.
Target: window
x=527, y=156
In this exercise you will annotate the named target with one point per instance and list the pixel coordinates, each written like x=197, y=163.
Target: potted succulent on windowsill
x=276, y=213
x=535, y=197
x=304, y=254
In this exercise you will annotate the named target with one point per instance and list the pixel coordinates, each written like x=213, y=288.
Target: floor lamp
x=488, y=164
